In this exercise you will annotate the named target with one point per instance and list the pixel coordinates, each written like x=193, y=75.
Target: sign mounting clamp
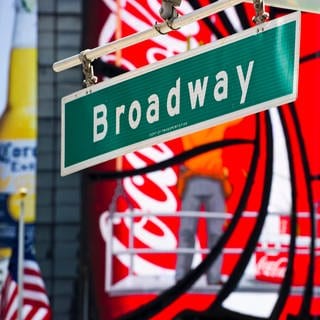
x=87, y=69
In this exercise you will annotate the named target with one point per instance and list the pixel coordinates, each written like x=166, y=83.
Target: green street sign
x=303, y=5
x=236, y=76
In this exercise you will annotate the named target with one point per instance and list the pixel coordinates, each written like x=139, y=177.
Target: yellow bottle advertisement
x=18, y=123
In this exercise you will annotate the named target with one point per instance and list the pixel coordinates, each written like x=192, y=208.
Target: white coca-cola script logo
x=163, y=179
x=271, y=268
x=135, y=189
x=137, y=264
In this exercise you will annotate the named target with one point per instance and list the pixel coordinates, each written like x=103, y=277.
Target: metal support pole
x=163, y=28
x=109, y=253
x=131, y=245
x=22, y=193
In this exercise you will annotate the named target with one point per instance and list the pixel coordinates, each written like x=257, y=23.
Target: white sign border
x=296, y=16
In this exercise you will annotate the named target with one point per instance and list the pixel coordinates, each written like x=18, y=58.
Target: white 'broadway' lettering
x=197, y=92
x=142, y=112
x=244, y=81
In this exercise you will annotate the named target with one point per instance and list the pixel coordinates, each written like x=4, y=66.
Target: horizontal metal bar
x=202, y=214
x=179, y=22
x=154, y=283
x=176, y=214
x=128, y=251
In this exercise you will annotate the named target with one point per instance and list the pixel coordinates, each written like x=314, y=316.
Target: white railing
x=279, y=245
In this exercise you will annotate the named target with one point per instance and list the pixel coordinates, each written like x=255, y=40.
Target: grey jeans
x=207, y=192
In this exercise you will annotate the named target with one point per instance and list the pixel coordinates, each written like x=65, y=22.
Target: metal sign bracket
x=130, y=40
x=87, y=69
x=168, y=13
x=261, y=15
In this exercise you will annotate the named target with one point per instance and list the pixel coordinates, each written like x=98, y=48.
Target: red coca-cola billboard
x=269, y=168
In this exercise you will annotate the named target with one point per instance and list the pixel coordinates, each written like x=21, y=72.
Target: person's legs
x=187, y=232
x=215, y=203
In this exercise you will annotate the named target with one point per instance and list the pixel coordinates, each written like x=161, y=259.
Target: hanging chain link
x=261, y=15
x=87, y=69
x=168, y=13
